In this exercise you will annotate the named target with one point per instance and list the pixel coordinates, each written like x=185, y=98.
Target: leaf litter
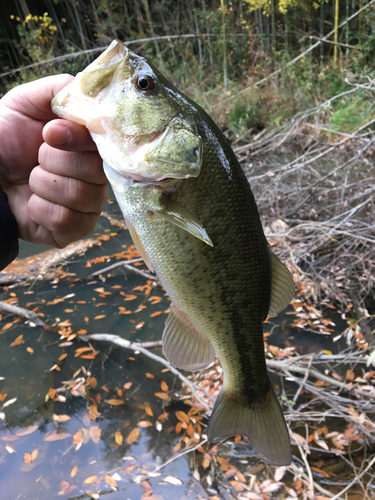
x=326, y=425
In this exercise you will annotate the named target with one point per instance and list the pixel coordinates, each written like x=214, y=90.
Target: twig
x=20, y=311
x=114, y=266
x=357, y=478
x=296, y=396
x=175, y=457
x=134, y=346
x=307, y=465
x=142, y=273
x=318, y=375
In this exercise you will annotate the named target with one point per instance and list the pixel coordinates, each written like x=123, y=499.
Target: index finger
x=68, y=136
x=33, y=99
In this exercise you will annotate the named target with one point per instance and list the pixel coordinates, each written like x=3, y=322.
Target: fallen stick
x=114, y=266
x=134, y=346
x=283, y=365
x=20, y=311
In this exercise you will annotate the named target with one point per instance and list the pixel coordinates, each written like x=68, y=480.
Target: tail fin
x=264, y=427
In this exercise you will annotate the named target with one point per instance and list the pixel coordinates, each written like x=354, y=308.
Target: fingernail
x=61, y=135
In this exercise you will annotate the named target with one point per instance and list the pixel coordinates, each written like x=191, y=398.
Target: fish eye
x=145, y=82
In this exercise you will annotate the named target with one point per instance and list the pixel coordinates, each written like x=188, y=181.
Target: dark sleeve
x=8, y=232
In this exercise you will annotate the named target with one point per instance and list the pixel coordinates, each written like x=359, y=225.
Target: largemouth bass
x=193, y=218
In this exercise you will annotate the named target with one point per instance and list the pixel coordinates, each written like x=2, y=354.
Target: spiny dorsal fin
x=138, y=244
x=282, y=288
x=183, y=346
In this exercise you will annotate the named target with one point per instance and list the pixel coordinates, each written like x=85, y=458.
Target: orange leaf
x=56, y=436
x=100, y=316
x=127, y=385
x=162, y=395
x=119, y=438
x=149, y=375
x=144, y=423
x=3, y=395
x=139, y=326
x=63, y=356
x=27, y=431
x=91, y=479
x=6, y=327
x=78, y=437
x=74, y=471
x=129, y=469
x=95, y=433
x=18, y=341
x=182, y=417
x=115, y=402
x=320, y=471
x=60, y=418
x=149, y=411
x=112, y=482
x=164, y=386
x=133, y=435
x=30, y=350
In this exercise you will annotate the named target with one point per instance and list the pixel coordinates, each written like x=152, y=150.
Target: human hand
x=50, y=170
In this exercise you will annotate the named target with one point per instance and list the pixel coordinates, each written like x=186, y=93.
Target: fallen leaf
x=60, y=418
x=144, y=423
x=30, y=457
x=17, y=341
x=129, y=469
x=30, y=350
x=164, y=386
x=9, y=402
x=27, y=430
x=112, y=482
x=91, y=479
x=182, y=416
x=127, y=385
x=149, y=375
x=74, y=471
x=133, y=436
x=6, y=327
x=10, y=449
x=115, y=402
x=149, y=411
x=56, y=436
x=162, y=395
x=119, y=438
x=173, y=480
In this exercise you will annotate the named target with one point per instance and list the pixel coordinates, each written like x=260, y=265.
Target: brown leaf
x=95, y=433
x=129, y=469
x=144, y=423
x=78, y=438
x=164, y=386
x=6, y=327
x=61, y=418
x=30, y=457
x=149, y=375
x=321, y=471
x=182, y=417
x=18, y=341
x=149, y=411
x=115, y=402
x=74, y=471
x=56, y=436
x=162, y=395
x=119, y=438
x=28, y=430
x=133, y=436
x=30, y=350
x=112, y=482
x=91, y=479
x=127, y=385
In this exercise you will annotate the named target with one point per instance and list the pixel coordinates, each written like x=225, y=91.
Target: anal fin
x=138, y=244
x=183, y=346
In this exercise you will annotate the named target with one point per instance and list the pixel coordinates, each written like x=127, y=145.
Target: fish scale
x=192, y=215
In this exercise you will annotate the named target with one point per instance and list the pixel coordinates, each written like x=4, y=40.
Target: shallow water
x=86, y=432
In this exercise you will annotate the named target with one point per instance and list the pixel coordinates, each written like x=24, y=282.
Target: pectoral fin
x=282, y=288
x=138, y=244
x=183, y=346
x=181, y=217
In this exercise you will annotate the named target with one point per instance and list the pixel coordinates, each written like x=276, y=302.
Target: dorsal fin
x=183, y=346
x=282, y=287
